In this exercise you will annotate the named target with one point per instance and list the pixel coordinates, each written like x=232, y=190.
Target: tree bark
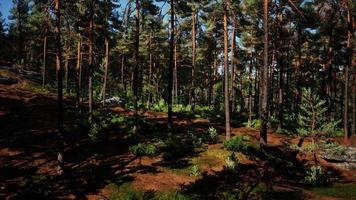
x=349, y=64
x=192, y=96
x=78, y=69
x=91, y=60
x=264, y=81
x=171, y=66
x=106, y=67
x=44, y=56
x=137, y=63
x=59, y=69
x=250, y=90
x=233, y=63
x=226, y=76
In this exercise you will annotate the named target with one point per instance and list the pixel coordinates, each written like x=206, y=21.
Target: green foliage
x=255, y=123
x=177, y=147
x=342, y=191
x=316, y=176
x=237, y=143
x=337, y=132
x=143, y=149
x=211, y=136
x=127, y=192
x=231, y=161
x=311, y=119
x=161, y=106
x=283, y=131
x=196, y=139
x=333, y=148
x=194, y=170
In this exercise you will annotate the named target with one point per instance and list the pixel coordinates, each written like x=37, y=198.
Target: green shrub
x=337, y=132
x=231, y=161
x=194, y=170
x=143, y=150
x=176, y=147
x=211, y=136
x=316, y=176
x=255, y=123
x=333, y=148
x=283, y=131
x=196, y=139
x=312, y=119
x=237, y=143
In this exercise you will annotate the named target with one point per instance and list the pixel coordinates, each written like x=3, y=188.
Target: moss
x=345, y=191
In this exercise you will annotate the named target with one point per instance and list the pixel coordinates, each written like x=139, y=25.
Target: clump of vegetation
x=237, y=143
x=311, y=119
x=141, y=150
x=333, y=148
x=255, y=123
x=195, y=170
x=231, y=161
x=316, y=176
x=211, y=136
x=196, y=139
x=176, y=147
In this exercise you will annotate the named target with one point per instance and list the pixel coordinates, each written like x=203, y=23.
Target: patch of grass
x=345, y=191
x=127, y=192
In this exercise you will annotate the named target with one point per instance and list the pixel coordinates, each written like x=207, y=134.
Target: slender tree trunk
x=60, y=157
x=264, y=81
x=281, y=74
x=192, y=96
x=354, y=106
x=350, y=62
x=137, y=63
x=175, y=77
x=91, y=60
x=150, y=71
x=66, y=64
x=226, y=76
x=106, y=69
x=44, y=56
x=78, y=69
x=233, y=63
x=171, y=66
x=250, y=90
x=122, y=69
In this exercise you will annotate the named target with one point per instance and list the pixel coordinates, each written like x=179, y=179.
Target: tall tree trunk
x=66, y=63
x=354, y=106
x=349, y=64
x=170, y=70
x=45, y=47
x=175, y=77
x=226, y=76
x=250, y=90
x=137, y=63
x=44, y=57
x=233, y=63
x=91, y=60
x=149, y=100
x=281, y=73
x=122, y=69
x=79, y=69
x=59, y=69
x=192, y=96
x=106, y=68
x=264, y=77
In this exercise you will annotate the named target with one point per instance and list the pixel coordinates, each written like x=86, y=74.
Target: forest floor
x=28, y=146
